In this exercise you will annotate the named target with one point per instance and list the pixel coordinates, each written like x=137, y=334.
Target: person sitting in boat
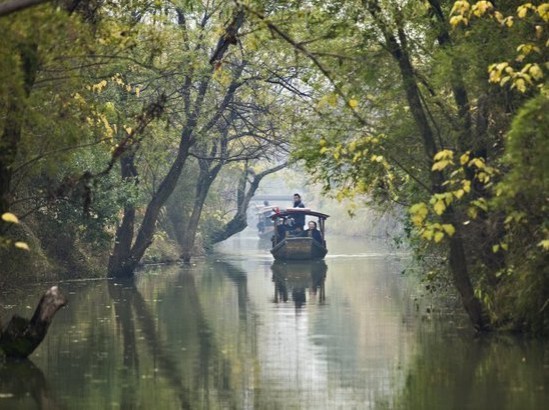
x=299, y=219
x=313, y=232
x=281, y=229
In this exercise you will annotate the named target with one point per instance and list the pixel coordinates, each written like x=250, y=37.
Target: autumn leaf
x=22, y=245
x=9, y=217
x=449, y=229
x=438, y=236
x=439, y=207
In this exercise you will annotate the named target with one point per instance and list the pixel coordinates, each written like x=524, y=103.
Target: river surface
x=238, y=331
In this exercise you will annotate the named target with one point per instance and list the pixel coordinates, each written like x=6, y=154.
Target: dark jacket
x=315, y=234
x=299, y=218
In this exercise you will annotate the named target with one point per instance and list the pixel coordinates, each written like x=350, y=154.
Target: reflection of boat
x=296, y=277
x=290, y=245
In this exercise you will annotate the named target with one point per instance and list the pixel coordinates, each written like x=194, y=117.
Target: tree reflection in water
x=297, y=277
x=24, y=381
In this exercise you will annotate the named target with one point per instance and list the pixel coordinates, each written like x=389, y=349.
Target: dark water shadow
x=296, y=278
x=21, y=381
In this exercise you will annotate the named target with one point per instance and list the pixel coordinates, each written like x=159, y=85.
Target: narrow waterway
x=238, y=331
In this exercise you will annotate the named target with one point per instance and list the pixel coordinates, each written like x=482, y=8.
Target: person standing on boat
x=313, y=232
x=299, y=219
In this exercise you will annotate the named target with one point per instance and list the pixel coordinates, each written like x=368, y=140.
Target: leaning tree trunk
x=22, y=336
x=127, y=266
x=458, y=260
x=205, y=180
x=239, y=221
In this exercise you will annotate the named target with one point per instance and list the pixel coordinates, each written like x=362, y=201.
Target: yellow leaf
x=22, y=245
x=499, y=17
x=544, y=244
x=353, y=103
x=520, y=84
x=427, y=234
x=543, y=11
x=456, y=20
x=504, y=81
x=439, y=207
x=460, y=7
x=449, y=229
x=477, y=162
x=444, y=154
x=438, y=236
x=481, y=7
x=464, y=159
x=535, y=71
x=522, y=11
x=495, y=248
x=440, y=165
x=459, y=193
x=9, y=217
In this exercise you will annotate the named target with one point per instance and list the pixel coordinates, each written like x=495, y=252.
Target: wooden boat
x=291, y=245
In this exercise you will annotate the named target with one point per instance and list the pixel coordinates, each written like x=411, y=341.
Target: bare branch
x=18, y=5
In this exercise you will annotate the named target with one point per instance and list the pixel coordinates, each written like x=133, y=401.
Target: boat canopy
x=283, y=213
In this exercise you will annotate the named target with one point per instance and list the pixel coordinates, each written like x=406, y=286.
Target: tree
x=195, y=86
x=408, y=157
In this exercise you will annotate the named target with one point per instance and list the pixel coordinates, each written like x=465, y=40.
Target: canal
x=238, y=331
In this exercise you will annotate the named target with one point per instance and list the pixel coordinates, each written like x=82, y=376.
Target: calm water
x=238, y=331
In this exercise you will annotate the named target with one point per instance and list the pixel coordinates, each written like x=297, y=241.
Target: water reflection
x=22, y=382
x=298, y=277
x=211, y=336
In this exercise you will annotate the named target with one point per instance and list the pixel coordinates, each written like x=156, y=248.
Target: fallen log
x=22, y=336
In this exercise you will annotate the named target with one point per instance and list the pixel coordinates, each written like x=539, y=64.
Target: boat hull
x=298, y=249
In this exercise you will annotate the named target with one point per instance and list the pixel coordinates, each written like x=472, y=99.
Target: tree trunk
x=462, y=282
x=124, y=234
x=11, y=136
x=22, y=336
x=205, y=179
x=125, y=267
x=239, y=221
x=457, y=256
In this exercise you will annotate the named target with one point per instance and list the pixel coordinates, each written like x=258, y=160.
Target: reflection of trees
x=457, y=371
x=131, y=308
x=240, y=280
x=296, y=278
x=181, y=320
x=21, y=378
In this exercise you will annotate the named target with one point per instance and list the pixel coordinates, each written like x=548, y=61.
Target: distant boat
x=291, y=245
x=265, y=225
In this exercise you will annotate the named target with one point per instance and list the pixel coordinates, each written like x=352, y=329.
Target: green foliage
x=522, y=197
